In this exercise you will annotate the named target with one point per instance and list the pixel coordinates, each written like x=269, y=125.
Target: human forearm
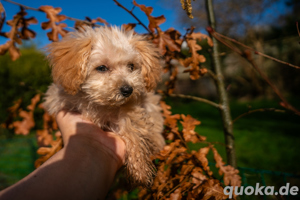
x=72, y=173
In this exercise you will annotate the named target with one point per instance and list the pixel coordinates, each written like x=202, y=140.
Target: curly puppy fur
x=109, y=75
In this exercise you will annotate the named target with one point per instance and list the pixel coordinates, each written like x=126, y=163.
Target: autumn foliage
x=181, y=173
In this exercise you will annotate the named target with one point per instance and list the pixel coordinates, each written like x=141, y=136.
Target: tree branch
x=258, y=110
x=247, y=55
x=133, y=15
x=256, y=52
x=37, y=9
x=197, y=99
x=212, y=74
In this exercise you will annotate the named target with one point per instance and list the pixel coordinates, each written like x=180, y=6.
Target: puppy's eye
x=131, y=66
x=102, y=68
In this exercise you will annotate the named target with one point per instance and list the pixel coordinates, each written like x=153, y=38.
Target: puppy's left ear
x=151, y=66
x=68, y=59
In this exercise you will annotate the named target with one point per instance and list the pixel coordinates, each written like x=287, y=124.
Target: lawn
x=17, y=156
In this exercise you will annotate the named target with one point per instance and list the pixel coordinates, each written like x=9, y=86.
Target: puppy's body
x=109, y=75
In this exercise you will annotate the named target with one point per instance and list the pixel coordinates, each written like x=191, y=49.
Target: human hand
x=73, y=126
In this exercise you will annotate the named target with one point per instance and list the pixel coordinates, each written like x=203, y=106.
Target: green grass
x=264, y=140
x=17, y=156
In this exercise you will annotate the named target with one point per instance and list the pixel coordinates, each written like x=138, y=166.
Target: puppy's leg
x=141, y=143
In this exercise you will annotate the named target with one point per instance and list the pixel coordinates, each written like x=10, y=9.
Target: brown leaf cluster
x=47, y=152
x=230, y=174
x=46, y=140
x=194, y=61
x=12, y=114
x=45, y=137
x=19, y=30
x=170, y=43
x=181, y=173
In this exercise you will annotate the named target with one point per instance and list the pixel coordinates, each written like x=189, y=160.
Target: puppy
x=109, y=76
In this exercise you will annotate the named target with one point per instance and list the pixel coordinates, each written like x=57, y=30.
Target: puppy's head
x=107, y=64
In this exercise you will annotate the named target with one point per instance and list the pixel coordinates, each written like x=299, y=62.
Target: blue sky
x=105, y=9
x=109, y=11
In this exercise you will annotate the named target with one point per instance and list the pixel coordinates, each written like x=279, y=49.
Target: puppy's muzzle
x=126, y=90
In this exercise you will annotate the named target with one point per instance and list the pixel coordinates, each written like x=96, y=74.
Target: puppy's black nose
x=126, y=90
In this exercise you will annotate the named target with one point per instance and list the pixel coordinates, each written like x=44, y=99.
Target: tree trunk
x=223, y=99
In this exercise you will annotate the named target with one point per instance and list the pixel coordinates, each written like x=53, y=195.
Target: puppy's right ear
x=68, y=59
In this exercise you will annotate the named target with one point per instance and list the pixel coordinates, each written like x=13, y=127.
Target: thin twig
x=298, y=29
x=212, y=143
x=197, y=99
x=26, y=7
x=133, y=15
x=176, y=187
x=37, y=9
x=258, y=110
x=256, y=52
x=212, y=74
x=247, y=55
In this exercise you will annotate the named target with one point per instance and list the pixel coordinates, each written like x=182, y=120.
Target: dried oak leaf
x=176, y=195
x=89, y=22
x=154, y=22
x=201, y=157
x=26, y=33
x=198, y=177
x=23, y=127
x=10, y=45
x=211, y=189
x=53, y=23
x=47, y=152
x=189, y=124
x=129, y=26
x=231, y=175
x=172, y=80
x=186, y=169
x=2, y=16
x=175, y=153
x=15, y=36
x=43, y=137
x=194, y=61
x=170, y=120
x=49, y=121
x=12, y=113
x=167, y=150
x=100, y=20
x=165, y=42
x=163, y=174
